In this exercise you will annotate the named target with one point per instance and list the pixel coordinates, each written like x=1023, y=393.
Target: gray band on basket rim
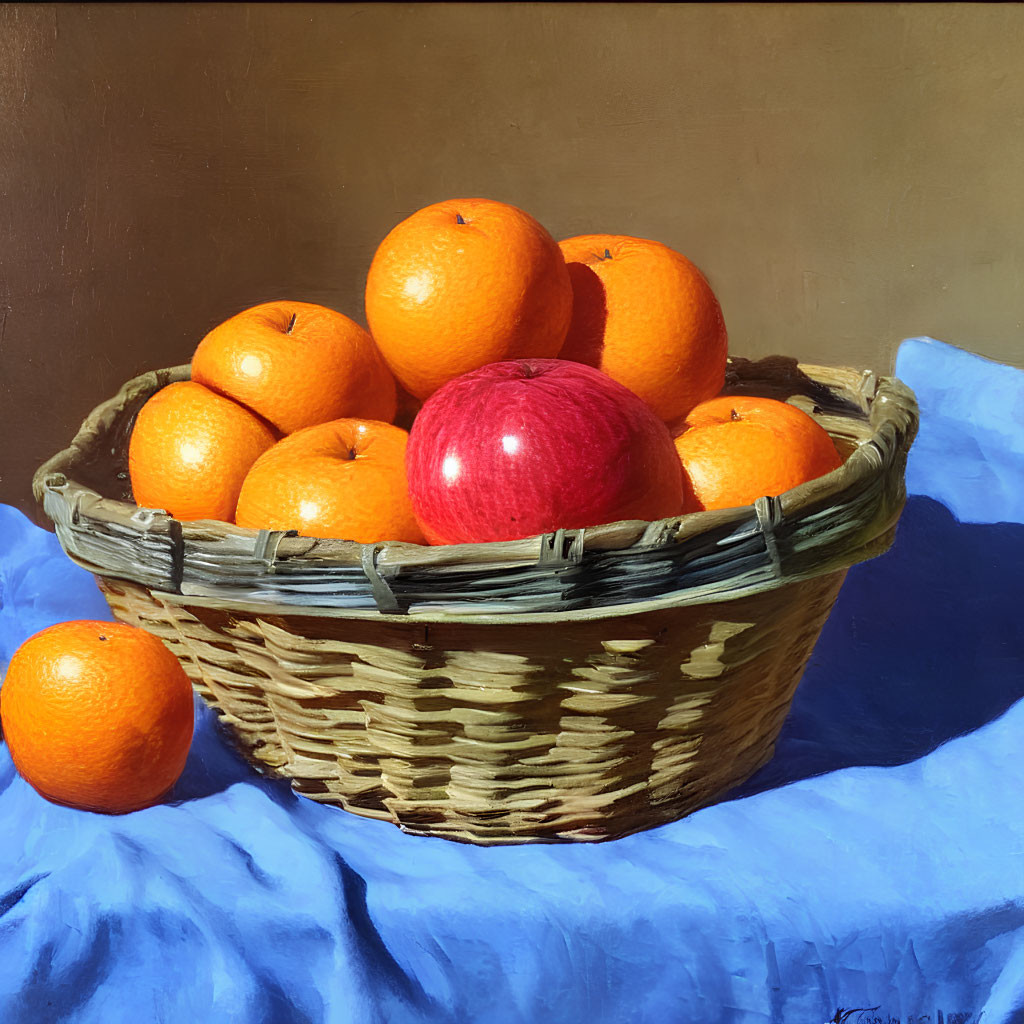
x=383, y=595
x=174, y=531
x=150, y=520
x=267, y=543
x=769, y=516
x=562, y=547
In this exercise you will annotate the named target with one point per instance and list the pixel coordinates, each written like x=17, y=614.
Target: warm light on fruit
x=296, y=364
x=97, y=715
x=541, y=385
x=735, y=450
x=645, y=315
x=344, y=479
x=464, y=283
x=527, y=446
x=190, y=449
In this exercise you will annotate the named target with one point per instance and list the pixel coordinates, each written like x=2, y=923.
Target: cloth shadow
x=214, y=764
x=925, y=643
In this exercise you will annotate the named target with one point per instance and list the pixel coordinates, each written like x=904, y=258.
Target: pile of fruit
x=508, y=385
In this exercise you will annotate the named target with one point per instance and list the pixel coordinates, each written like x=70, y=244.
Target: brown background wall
x=846, y=175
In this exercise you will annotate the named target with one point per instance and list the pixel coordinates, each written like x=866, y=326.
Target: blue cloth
x=876, y=865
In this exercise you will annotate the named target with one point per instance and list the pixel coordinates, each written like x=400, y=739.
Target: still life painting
x=511, y=513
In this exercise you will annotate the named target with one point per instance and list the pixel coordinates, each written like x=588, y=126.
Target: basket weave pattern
x=567, y=736
x=578, y=686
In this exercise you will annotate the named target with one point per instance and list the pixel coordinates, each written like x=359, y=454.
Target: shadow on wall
x=924, y=644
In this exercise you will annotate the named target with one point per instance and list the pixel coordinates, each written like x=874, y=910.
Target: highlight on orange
x=345, y=479
x=190, y=450
x=296, y=364
x=97, y=715
x=463, y=283
x=736, y=449
x=646, y=316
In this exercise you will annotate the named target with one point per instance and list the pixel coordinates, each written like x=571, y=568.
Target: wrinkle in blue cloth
x=876, y=862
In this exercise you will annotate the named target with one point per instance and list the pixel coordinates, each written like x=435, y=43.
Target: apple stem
x=351, y=453
x=734, y=415
x=607, y=255
x=291, y=323
x=458, y=219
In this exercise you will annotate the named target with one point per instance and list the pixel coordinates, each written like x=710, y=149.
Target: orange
x=646, y=316
x=735, y=450
x=463, y=283
x=296, y=364
x=344, y=479
x=97, y=715
x=190, y=450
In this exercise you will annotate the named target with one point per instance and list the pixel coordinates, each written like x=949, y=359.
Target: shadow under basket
x=581, y=685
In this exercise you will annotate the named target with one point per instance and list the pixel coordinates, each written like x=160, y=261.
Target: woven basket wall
x=577, y=686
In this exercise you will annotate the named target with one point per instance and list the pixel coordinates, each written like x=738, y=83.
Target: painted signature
x=844, y=1016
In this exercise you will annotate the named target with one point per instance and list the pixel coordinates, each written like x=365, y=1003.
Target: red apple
x=528, y=446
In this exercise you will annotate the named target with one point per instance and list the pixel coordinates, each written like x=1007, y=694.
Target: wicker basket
x=581, y=685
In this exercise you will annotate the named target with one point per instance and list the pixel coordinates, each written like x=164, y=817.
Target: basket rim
x=884, y=407
x=596, y=613
x=872, y=388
